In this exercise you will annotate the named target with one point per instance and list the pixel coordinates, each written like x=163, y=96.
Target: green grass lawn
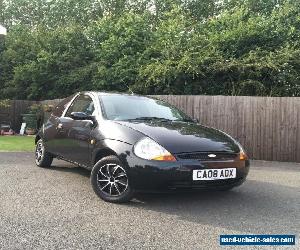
x=16, y=143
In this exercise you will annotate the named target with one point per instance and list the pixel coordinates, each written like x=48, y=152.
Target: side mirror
x=82, y=116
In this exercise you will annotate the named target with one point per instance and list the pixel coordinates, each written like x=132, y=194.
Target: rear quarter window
x=59, y=109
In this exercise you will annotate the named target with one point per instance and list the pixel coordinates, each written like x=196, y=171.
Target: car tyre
x=110, y=181
x=43, y=159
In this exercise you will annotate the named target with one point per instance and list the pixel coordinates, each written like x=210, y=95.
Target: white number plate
x=214, y=174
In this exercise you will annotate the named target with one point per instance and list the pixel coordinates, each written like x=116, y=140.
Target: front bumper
x=159, y=176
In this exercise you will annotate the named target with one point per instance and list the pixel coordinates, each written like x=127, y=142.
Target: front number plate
x=214, y=174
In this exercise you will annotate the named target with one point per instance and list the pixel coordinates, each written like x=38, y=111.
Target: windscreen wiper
x=150, y=118
x=184, y=120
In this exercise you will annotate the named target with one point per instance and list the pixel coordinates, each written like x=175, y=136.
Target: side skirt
x=74, y=162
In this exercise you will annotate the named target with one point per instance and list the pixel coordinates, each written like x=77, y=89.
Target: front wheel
x=43, y=159
x=109, y=180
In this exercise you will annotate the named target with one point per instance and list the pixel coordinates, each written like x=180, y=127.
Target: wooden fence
x=268, y=127
x=12, y=113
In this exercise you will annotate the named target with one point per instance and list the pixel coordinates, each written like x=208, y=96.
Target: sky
x=2, y=30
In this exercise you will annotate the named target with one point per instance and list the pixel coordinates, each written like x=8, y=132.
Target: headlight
x=243, y=156
x=150, y=150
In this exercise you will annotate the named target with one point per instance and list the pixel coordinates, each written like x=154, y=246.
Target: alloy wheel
x=112, y=179
x=39, y=151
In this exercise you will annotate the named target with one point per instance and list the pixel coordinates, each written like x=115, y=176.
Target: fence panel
x=268, y=127
x=13, y=113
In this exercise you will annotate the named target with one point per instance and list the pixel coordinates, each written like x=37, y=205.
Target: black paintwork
x=179, y=137
x=86, y=141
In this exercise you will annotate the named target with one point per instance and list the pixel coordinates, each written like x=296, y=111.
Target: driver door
x=78, y=133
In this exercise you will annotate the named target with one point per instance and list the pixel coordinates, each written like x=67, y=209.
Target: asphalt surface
x=57, y=209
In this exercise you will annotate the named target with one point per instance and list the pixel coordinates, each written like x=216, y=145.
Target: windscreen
x=126, y=107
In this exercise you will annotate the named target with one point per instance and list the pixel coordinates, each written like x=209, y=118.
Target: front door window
x=82, y=103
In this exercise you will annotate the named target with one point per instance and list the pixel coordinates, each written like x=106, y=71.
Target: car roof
x=101, y=93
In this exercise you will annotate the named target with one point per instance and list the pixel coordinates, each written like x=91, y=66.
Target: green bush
x=30, y=120
x=232, y=47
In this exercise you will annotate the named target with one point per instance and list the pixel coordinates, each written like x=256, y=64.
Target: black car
x=134, y=143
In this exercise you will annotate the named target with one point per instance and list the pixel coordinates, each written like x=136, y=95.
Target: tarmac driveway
x=57, y=209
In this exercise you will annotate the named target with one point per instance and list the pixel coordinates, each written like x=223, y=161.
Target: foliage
x=30, y=120
x=231, y=47
x=35, y=109
x=5, y=103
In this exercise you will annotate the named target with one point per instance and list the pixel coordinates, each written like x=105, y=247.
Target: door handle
x=59, y=126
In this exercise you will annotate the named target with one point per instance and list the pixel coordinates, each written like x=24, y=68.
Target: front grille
x=204, y=184
x=204, y=156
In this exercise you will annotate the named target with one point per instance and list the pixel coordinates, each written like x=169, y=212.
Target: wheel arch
x=111, y=147
x=37, y=138
x=101, y=153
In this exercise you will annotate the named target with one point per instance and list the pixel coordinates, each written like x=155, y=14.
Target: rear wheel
x=43, y=159
x=110, y=181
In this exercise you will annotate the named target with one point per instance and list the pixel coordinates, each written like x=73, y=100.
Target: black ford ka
x=133, y=143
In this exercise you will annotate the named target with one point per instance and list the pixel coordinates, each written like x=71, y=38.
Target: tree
x=232, y=47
